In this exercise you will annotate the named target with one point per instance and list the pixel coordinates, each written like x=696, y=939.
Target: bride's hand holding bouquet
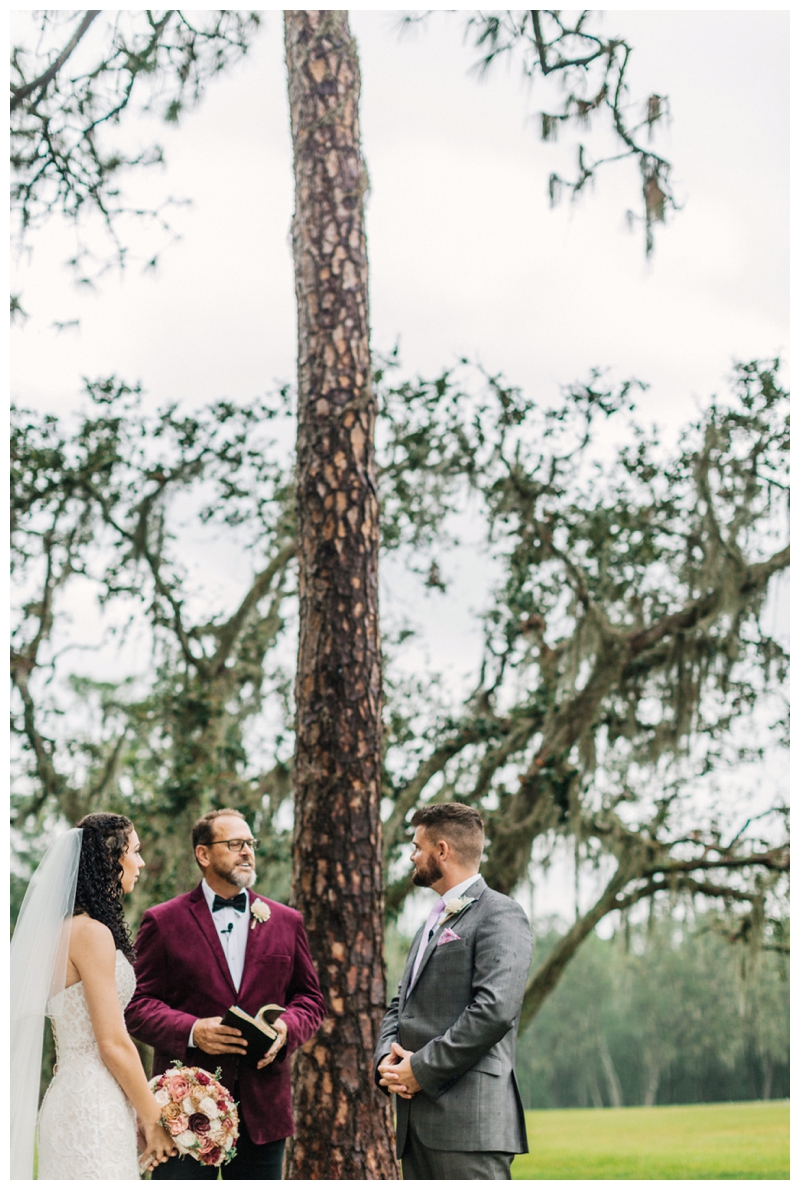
x=155, y=1143
x=198, y=1112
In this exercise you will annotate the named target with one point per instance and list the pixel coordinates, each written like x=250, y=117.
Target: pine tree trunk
x=344, y=1127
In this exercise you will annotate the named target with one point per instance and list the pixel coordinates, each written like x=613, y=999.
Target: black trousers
x=252, y=1162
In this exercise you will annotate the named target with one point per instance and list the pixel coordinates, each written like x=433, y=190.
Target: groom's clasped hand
x=446, y=1043
x=446, y=1046
x=396, y=1073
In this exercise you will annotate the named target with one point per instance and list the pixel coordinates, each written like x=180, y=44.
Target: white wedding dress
x=87, y=1126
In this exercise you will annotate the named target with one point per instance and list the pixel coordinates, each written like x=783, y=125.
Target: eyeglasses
x=237, y=844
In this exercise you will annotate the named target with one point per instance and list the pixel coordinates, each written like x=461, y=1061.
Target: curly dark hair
x=99, y=891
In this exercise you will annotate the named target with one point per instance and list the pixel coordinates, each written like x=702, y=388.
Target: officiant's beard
x=242, y=879
x=425, y=877
x=236, y=875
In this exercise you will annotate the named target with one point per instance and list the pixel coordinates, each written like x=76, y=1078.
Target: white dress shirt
x=232, y=928
x=435, y=916
x=458, y=890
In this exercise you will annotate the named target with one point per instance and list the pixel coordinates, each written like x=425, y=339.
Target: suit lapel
x=475, y=891
x=248, y=946
x=202, y=915
x=255, y=939
x=412, y=957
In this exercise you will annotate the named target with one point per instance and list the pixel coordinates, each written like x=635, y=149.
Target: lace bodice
x=72, y=1025
x=87, y=1127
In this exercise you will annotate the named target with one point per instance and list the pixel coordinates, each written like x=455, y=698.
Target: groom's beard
x=425, y=877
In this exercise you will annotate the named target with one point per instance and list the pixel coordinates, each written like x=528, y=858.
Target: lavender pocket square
x=448, y=935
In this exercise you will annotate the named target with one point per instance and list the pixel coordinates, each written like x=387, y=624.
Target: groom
x=446, y=1046
x=205, y=951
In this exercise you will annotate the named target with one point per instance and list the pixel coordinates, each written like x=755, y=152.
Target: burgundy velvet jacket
x=182, y=975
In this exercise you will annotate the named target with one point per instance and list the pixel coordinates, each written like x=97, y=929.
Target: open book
x=257, y=1030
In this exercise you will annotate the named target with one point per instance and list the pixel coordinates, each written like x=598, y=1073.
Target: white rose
x=228, y=1142
x=188, y=1106
x=162, y=1098
x=185, y=1141
x=208, y=1107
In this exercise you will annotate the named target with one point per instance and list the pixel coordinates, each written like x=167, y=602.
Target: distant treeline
x=661, y=1014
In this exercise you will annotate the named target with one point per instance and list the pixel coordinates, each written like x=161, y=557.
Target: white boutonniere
x=453, y=907
x=259, y=911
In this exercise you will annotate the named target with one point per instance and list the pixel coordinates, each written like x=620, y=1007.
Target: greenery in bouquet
x=199, y=1113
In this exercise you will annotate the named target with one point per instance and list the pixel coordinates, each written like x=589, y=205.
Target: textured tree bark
x=344, y=1127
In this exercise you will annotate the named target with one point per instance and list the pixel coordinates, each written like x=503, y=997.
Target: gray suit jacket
x=460, y=1018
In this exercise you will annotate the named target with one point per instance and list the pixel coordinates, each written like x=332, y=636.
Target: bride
x=71, y=958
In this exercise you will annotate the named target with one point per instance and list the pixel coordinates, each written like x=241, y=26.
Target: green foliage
x=78, y=75
x=593, y=75
x=624, y=642
x=624, y=653
x=94, y=504
x=71, y=85
x=624, y=647
x=667, y=1012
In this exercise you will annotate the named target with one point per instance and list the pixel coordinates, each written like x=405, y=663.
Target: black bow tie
x=239, y=903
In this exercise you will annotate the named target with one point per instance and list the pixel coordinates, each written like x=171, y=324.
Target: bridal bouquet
x=198, y=1112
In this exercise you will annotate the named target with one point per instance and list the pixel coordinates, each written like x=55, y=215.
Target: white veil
x=39, y=951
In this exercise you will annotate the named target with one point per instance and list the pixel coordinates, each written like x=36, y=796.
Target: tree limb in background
x=627, y=657
x=593, y=72
x=625, y=647
x=62, y=158
x=93, y=502
x=40, y=84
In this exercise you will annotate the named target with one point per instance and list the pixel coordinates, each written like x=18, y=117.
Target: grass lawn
x=701, y=1140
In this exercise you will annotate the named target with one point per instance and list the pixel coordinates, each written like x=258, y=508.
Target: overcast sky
x=466, y=256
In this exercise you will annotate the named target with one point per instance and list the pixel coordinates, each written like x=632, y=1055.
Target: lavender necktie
x=430, y=926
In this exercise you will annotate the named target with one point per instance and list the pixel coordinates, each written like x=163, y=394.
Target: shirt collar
x=458, y=890
x=209, y=895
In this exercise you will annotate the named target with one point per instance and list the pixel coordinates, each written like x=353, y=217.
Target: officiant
x=216, y=947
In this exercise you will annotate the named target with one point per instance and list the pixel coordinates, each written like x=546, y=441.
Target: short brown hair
x=203, y=829
x=460, y=825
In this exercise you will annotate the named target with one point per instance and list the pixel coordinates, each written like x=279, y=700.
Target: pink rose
x=210, y=1153
x=227, y=1124
x=179, y=1087
x=178, y=1125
